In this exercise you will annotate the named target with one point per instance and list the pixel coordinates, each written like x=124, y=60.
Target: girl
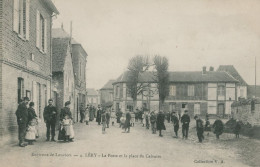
x=31, y=132
x=67, y=123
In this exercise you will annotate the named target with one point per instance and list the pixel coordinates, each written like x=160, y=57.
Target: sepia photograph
x=129, y=83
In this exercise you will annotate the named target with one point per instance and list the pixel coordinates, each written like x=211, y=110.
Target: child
x=207, y=125
x=31, y=132
x=237, y=128
x=67, y=123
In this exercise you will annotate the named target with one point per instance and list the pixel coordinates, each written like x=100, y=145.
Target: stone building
x=106, y=94
x=92, y=97
x=199, y=92
x=63, y=85
x=25, y=59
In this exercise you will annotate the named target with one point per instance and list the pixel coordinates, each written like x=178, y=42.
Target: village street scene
x=129, y=83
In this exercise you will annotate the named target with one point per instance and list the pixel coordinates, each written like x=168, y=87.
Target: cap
x=67, y=103
x=26, y=98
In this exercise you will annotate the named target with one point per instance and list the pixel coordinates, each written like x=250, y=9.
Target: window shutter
x=45, y=36
x=16, y=15
x=27, y=19
x=38, y=29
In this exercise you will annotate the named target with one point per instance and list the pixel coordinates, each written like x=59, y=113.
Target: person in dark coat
x=218, y=127
x=91, y=113
x=65, y=112
x=237, y=128
x=185, y=119
x=99, y=112
x=153, y=122
x=127, y=121
x=175, y=121
x=32, y=115
x=50, y=118
x=103, y=120
x=107, y=118
x=22, y=120
x=118, y=115
x=82, y=113
x=160, y=123
x=199, y=128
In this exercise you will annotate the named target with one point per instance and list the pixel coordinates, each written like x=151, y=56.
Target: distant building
x=253, y=91
x=199, y=92
x=25, y=59
x=79, y=62
x=63, y=85
x=106, y=94
x=92, y=97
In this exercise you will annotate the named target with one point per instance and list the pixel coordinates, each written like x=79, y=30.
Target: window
x=242, y=92
x=20, y=89
x=190, y=90
x=41, y=32
x=117, y=91
x=221, y=90
x=197, y=109
x=172, y=90
x=21, y=18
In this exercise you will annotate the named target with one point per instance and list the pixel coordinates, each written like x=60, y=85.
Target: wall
x=245, y=114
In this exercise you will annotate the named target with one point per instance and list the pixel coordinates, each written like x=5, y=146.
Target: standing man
x=107, y=117
x=160, y=123
x=99, y=112
x=22, y=120
x=153, y=122
x=103, y=119
x=199, y=127
x=82, y=113
x=50, y=118
x=175, y=121
x=185, y=119
x=127, y=121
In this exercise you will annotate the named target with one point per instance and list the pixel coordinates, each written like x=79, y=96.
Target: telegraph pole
x=255, y=76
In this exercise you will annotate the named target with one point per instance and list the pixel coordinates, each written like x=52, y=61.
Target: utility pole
x=255, y=76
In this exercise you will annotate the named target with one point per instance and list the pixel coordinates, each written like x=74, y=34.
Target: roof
x=251, y=91
x=91, y=92
x=108, y=85
x=194, y=76
x=230, y=69
x=59, y=52
x=51, y=5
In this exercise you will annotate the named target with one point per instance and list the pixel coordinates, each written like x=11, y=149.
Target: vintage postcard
x=129, y=83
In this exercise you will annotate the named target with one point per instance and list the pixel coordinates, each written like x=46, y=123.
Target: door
x=221, y=110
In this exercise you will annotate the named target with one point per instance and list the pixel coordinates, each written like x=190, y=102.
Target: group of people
x=28, y=120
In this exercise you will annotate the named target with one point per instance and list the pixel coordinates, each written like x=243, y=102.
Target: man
x=127, y=121
x=22, y=120
x=107, y=118
x=65, y=111
x=82, y=113
x=185, y=119
x=99, y=112
x=147, y=117
x=50, y=118
x=160, y=123
x=199, y=127
x=153, y=122
x=218, y=127
x=103, y=120
x=175, y=121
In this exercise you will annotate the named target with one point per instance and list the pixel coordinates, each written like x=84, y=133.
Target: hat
x=196, y=117
x=186, y=111
x=26, y=99
x=50, y=100
x=67, y=103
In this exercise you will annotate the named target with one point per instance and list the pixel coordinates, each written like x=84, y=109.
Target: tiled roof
x=108, y=85
x=59, y=52
x=195, y=76
x=232, y=71
x=91, y=92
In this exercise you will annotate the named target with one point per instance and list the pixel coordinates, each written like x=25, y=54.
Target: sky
x=191, y=34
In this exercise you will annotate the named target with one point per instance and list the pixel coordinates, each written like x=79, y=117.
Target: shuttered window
x=21, y=18
x=190, y=90
x=172, y=90
x=41, y=32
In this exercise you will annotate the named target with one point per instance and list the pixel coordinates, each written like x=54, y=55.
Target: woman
x=160, y=123
x=32, y=115
x=65, y=111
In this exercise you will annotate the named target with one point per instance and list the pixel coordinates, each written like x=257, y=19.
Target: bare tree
x=162, y=77
x=137, y=65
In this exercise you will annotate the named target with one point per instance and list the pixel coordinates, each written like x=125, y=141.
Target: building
x=199, y=92
x=25, y=59
x=92, y=97
x=79, y=62
x=63, y=86
x=253, y=91
x=106, y=94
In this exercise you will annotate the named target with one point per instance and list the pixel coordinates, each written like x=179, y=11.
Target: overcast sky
x=190, y=33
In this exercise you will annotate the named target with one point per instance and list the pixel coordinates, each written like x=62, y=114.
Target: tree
x=162, y=77
x=137, y=65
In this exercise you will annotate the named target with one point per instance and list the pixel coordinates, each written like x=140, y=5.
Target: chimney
x=204, y=68
x=211, y=68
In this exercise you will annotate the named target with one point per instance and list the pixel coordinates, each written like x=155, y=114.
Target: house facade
x=25, y=59
x=62, y=74
x=92, y=97
x=106, y=94
x=199, y=92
